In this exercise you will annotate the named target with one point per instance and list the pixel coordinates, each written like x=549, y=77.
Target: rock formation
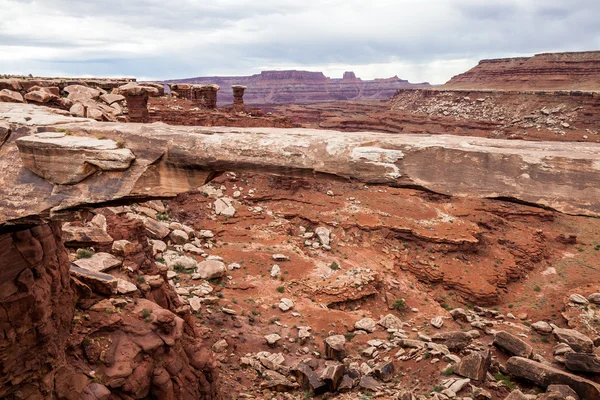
x=548, y=71
x=204, y=96
x=137, y=100
x=281, y=87
x=238, y=97
x=557, y=175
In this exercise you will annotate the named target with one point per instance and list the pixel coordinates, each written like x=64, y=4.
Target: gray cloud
x=416, y=39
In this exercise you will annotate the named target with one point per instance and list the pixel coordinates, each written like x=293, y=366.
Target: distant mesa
x=547, y=71
x=303, y=87
x=349, y=76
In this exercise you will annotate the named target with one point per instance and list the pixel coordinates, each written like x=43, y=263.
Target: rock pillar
x=136, y=97
x=238, y=97
x=138, y=108
x=205, y=95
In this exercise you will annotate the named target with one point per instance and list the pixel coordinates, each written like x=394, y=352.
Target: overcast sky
x=419, y=40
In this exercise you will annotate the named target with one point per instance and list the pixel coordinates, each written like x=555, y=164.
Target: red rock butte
x=546, y=71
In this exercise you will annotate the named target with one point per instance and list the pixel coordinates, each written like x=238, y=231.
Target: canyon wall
x=548, y=71
x=279, y=87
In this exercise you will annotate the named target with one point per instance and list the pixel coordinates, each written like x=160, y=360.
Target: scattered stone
x=158, y=246
x=308, y=380
x=458, y=314
x=97, y=281
x=542, y=327
x=365, y=324
x=474, y=365
x=564, y=390
x=224, y=206
x=190, y=248
x=578, y=299
x=332, y=375
x=195, y=303
x=545, y=375
x=516, y=395
x=272, y=339
x=384, y=371
x=368, y=383
x=123, y=247
x=10, y=96
x=211, y=269
x=179, y=237
x=324, y=235
x=275, y=271
x=437, y=322
x=513, y=345
x=454, y=340
x=594, y=298
x=583, y=362
x=99, y=262
x=285, y=304
x=578, y=341
x=125, y=287
x=481, y=394
x=390, y=321
x=335, y=347
x=280, y=257
x=220, y=346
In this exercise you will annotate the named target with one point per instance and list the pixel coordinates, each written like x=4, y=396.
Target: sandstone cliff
x=278, y=87
x=549, y=71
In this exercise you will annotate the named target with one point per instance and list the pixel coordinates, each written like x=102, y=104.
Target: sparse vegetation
x=399, y=305
x=147, y=315
x=84, y=253
x=334, y=266
x=505, y=380
x=281, y=289
x=537, y=288
x=163, y=216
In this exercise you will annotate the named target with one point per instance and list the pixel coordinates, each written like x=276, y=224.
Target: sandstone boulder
x=79, y=157
x=454, y=340
x=366, y=324
x=513, y=345
x=545, y=375
x=577, y=340
x=211, y=269
x=40, y=96
x=10, y=96
x=332, y=375
x=475, y=365
x=335, y=347
x=583, y=362
x=99, y=262
x=81, y=94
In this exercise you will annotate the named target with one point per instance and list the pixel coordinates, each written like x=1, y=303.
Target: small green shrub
x=163, y=216
x=281, y=289
x=84, y=253
x=537, y=288
x=334, y=266
x=399, y=305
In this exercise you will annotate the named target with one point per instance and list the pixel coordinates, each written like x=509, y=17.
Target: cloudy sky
x=419, y=40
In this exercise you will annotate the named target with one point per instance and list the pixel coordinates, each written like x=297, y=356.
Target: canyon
x=299, y=87
x=439, y=244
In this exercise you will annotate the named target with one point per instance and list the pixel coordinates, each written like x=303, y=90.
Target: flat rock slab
x=545, y=375
x=65, y=160
x=172, y=159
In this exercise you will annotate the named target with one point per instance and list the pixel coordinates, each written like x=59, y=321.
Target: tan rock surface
x=171, y=160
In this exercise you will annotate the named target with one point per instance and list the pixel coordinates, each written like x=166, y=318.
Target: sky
x=418, y=40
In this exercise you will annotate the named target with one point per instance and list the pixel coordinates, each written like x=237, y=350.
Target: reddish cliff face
x=285, y=87
x=550, y=71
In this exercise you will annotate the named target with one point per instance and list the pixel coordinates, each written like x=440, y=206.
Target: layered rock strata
x=286, y=87
x=238, y=97
x=548, y=71
x=170, y=160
